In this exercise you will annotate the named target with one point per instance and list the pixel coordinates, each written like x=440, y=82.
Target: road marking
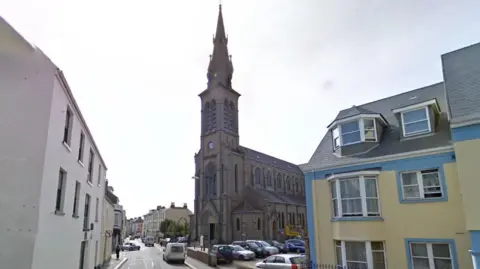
x=153, y=265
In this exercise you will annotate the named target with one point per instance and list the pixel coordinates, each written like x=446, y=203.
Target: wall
x=428, y=220
x=105, y=250
x=26, y=88
x=60, y=229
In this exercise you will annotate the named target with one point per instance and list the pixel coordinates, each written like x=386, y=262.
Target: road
x=148, y=258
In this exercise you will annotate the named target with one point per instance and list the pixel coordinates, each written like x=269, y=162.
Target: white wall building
x=52, y=174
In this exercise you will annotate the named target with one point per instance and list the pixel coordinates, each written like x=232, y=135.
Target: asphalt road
x=148, y=258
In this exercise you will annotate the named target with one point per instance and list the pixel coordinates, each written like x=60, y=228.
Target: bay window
x=355, y=196
x=360, y=255
x=356, y=131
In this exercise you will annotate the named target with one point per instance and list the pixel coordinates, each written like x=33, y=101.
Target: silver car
x=240, y=253
x=267, y=247
x=282, y=261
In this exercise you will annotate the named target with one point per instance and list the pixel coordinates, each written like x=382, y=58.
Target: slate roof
x=390, y=143
x=257, y=198
x=270, y=160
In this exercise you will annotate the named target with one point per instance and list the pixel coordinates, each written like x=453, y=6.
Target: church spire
x=220, y=68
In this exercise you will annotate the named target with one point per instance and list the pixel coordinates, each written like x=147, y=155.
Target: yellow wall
x=468, y=167
x=412, y=220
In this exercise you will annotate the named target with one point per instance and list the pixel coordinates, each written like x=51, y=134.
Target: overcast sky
x=136, y=68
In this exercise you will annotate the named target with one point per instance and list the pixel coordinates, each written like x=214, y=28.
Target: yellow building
x=395, y=183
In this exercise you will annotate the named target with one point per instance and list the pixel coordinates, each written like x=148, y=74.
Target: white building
x=52, y=174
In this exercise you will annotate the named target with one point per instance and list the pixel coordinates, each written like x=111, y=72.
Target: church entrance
x=212, y=231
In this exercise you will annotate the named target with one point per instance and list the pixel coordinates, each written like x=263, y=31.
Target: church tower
x=219, y=136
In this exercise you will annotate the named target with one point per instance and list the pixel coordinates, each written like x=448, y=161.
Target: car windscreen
x=252, y=245
x=177, y=249
x=297, y=260
x=238, y=248
x=263, y=243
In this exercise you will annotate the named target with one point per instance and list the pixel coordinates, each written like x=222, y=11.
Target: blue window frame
x=428, y=253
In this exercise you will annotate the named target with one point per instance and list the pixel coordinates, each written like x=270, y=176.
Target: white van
x=174, y=252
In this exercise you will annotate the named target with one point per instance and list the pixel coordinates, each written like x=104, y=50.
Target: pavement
x=148, y=258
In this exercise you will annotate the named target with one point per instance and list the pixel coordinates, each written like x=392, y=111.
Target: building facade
x=53, y=176
x=138, y=226
x=106, y=247
x=393, y=182
x=154, y=218
x=239, y=192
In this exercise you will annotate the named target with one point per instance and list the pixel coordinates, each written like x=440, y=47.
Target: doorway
x=274, y=229
x=212, y=231
x=83, y=248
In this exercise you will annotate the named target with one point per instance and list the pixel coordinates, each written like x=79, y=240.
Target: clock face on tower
x=211, y=145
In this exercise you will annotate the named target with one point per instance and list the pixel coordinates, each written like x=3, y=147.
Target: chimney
x=184, y=205
x=172, y=205
x=159, y=207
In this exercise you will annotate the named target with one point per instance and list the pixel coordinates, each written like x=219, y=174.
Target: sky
x=136, y=69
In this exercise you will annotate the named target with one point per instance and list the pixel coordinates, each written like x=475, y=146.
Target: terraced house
x=395, y=182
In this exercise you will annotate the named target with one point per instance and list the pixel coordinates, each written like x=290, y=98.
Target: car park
x=252, y=246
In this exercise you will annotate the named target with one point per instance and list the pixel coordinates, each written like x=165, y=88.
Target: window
x=416, y=122
x=430, y=255
x=236, y=178
x=360, y=255
x=97, y=204
x=259, y=224
x=421, y=185
x=355, y=197
x=67, y=131
x=90, y=166
x=369, y=130
x=287, y=183
x=336, y=138
x=75, y=199
x=62, y=182
x=279, y=181
x=283, y=220
x=269, y=179
x=257, y=176
x=350, y=133
x=80, y=147
x=86, y=213
x=99, y=180
x=238, y=224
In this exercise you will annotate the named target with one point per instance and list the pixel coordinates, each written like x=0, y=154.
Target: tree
x=164, y=226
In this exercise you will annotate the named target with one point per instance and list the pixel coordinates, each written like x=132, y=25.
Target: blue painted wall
x=475, y=249
x=469, y=132
x=417, y=163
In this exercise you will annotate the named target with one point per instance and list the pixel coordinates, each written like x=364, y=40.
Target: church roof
x=255, y=199
x=270, y=160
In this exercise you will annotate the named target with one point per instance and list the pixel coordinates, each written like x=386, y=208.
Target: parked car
x=252, y=246
x=282, y=261
x=266, y=248
x=242, y=254
x=130, y=246
x=280, y=246
x=295, y=245
x=224, y=253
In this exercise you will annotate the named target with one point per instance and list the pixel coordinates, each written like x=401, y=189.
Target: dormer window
x=416, y=122
x=417, y=119
x=353, y=132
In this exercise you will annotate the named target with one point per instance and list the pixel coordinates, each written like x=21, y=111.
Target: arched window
x=279, y=181
x=213, y=115
x=269, y=179
x=226, y=115
x=236, y=178
x=297, y=188
x=207, y=118
x=258, y=174
x=238, y=224
x=259, y=225
x=233, y=119
x=287, y=183
x=211, y=178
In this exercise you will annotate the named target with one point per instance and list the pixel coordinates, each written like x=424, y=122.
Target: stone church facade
x=240, y=193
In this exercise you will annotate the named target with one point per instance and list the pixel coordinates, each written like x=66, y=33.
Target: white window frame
x=368, y=250
x=427, y=115
x=421, y=190
x=430, y=256
x=363, y=197
x=336, y=136
x=361, y=127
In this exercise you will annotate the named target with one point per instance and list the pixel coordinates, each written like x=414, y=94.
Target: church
x=240, y=193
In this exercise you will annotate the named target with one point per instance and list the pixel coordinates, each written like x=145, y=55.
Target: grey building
x=239, y=192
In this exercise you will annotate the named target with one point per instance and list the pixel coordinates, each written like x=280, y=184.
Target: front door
x=83, y=247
